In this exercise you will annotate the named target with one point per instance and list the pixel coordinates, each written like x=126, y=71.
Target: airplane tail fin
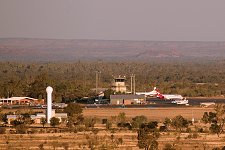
x=159, y=95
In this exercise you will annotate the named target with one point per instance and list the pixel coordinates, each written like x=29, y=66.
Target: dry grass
x=83, y=140
x=151, y=113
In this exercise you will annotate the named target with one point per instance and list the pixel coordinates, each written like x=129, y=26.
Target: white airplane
x=169, y=96
x=180, y=102
x=207, y=104
x=152, y=93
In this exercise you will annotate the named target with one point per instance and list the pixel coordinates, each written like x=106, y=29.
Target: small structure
x=21, y=101
x=118, y=84
x=49, y=112
x=127, y=99
x=49, y=91
x=37, y=118
x=207, y=104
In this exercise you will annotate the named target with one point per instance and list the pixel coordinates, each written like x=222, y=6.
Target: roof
x=62, y=115
x=11, y=116
x=18, y=98
x=39, y=115
x=127, y=96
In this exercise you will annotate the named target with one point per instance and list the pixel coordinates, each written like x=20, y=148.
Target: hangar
x=21, y=101
x=127, y=99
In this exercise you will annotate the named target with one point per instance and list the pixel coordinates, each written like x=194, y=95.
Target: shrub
x=90, y=122
x=194, y=136
x=138, y=120
x=124, y=125
x=104, y=121
x=21, y=129
x=179, y=122
x=108, y=125
x=43, y=121
x=41, y=146
x=95, y=130
x=54, y=121
x=168, y=147
x=120, y=141
x=188, y=130
x=2, y=130
x=201, y=130
x=162, y=128
x=216, y=148
x=152, y=125
x=72, y=109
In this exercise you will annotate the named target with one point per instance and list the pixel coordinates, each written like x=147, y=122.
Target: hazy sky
x=173, y=20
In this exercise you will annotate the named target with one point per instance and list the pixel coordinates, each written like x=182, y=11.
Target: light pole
x=97, y=79
x=132, y=82
x=134, y=85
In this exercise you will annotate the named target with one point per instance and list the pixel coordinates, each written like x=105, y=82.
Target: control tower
x=118, y=84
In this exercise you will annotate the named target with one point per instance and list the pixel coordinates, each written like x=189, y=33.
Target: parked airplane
x=152, y=93
x=180, y=102
x=169, y=96
x=207, y=104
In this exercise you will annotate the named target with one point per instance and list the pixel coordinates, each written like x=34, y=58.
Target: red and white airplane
x=155, y=92
x=152, y=93
x=169, y=96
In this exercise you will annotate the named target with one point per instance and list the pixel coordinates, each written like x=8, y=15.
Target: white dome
x=49, y=89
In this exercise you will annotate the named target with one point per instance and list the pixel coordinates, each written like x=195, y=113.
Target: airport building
x=49, y=111
x=119, y=85
x=37, y=118
x=127, y=99
x=21, y=101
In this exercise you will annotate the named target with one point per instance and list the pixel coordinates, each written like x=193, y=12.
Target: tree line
x=76, y=79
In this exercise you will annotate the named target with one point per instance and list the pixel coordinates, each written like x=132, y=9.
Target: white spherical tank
x=49, y=91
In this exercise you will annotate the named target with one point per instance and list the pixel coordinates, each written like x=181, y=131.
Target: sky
x=148, y=20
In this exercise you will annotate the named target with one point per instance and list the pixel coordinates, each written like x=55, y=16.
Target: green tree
x=74, y=112
x=54, y=121
x=108, y=125
x=169, y=147
x=205, y=117
x=122, y=117
x=167, y=122
x=212, y=117
x=219, y=119
x=147, y=138
x=2, y=130
x=107, y=93
x=138, y=120
x=73, y=108
x=179, y=122
x=43, y=121
x=90, y=122
x=152, y=125
x=37, y=88
x=215, y=128
x=26, y=118
x=21, y=129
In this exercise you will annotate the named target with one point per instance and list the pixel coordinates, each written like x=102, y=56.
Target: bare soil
x=111, y=139
x=158, y=114
x=105, y=140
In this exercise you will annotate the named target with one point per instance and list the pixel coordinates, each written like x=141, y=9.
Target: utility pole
x=132, y=84
x=97, y=79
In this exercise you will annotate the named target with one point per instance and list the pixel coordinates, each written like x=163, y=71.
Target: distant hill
x=72, y=50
